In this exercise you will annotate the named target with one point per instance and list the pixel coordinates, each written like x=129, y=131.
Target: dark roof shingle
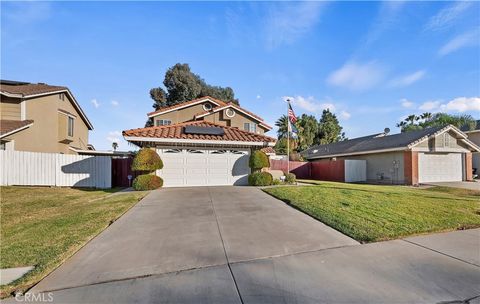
x=27, y=89
x=369, y=143
x=7, y=126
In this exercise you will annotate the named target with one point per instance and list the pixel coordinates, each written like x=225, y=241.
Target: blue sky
x=372, y=63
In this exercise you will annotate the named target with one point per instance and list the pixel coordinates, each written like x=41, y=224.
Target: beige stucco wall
x=383, y=163
x=10, y=108
x=475, y=138
x=43, y=135
x=187, y=114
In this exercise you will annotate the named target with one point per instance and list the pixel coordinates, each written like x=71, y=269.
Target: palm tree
x=114, y=146
x=282, y=124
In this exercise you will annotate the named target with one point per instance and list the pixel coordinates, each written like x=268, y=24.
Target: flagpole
x=288, y=137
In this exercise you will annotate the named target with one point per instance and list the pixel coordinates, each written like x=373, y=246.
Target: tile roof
x=163, y=109
x=27, y=89
x=268, y=150
x=177, y=132
x=7, y=126
x=370, y=143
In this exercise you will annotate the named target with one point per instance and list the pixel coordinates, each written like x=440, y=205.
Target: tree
x=281, y=146
x=307, y=131
x=428, y=120
x=183, y=85
x=282, y=124
x=329, y=129
x=258, y=160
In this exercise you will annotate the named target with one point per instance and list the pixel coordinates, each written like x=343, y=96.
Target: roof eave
x=16, y=130
x=199, y=141
x=356, y=153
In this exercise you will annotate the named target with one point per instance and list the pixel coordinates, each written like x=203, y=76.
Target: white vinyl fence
x=51, y=169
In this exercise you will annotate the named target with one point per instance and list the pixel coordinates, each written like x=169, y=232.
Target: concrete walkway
x=239, y=245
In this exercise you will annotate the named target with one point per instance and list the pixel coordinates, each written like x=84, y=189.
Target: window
x=250, y=127
x=3, y=145
x=62, y=96
x=207, y=106
x=70, y=126
x=163, y=122
x=230, y=112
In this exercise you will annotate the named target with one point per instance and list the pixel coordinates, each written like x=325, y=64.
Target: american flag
x=291, y=114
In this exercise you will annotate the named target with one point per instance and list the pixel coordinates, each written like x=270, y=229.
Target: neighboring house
x=429, y=155
x=203, y=142
x=272, y=154
x=474, y=136
x=38, y=117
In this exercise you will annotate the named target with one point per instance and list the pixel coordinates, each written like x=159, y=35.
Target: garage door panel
x=202, y=167
x=440, y=167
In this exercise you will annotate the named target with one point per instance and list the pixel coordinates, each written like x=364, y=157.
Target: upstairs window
x=70, y=126
x=250, y=127
x=163, y=122
x=62, y=96
x=446, y=140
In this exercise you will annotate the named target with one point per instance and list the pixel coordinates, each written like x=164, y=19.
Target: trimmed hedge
x=147, y=182
x=258, y=160
x=260, y=179
x=290, y=178
x=147, y=160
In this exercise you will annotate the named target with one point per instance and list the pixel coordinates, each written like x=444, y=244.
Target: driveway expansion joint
x=439, y=252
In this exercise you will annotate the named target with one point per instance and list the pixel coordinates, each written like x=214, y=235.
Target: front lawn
x=44, y=226
x=373, y=213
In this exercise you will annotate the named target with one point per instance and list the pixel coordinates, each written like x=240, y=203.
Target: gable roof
x=186, y=104
x=378, y=143
x=176, y=134
x=236, y=107
x=17, y=89
x=8, y=127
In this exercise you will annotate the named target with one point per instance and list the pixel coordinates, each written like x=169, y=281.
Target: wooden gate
x=121, y=169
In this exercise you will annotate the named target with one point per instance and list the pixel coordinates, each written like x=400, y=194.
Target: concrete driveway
x=462, y=185
x=239, y=245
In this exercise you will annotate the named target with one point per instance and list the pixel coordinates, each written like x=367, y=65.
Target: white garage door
x=203, y=167
x=440, y=167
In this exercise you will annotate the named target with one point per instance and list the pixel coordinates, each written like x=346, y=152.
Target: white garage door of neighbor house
x=440, y=167
x=184, y=167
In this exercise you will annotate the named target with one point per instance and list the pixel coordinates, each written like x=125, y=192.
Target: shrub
x=276, y=182
x=258, y=160
x=147, y=182
x=260, y=179
x=290, y=178
x=147, y=160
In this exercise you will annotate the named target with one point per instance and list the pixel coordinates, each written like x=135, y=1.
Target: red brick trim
x=468, y=166
x=410, y=163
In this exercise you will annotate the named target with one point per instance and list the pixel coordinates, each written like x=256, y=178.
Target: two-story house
x=203, y=142
x=38, y=117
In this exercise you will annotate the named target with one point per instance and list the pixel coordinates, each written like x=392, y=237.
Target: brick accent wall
x=468, y=166
x=410, y=162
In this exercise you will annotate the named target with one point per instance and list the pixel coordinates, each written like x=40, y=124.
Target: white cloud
x=447, y=15
x=408, y=79
x=356, y=76
x=459, y=104
x=114, y=136
x=462, y=104
x=345, y=115
x=310, y=104
x=429, y=105
x=258, y=96
x=287, y=22
x=95, y=103
x=114, y=103
x=27, y=12
x=460, y=41
x=407, y=103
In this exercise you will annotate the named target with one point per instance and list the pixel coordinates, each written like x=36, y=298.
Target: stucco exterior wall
x=390, y=165
x=43, y=135
x=475, y=138
x=10, y=108
x=187, y=114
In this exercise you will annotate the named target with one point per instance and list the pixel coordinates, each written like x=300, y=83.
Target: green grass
x=370, y=213
x=44, y=226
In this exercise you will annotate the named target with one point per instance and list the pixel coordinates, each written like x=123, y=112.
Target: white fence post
x=51, y=169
